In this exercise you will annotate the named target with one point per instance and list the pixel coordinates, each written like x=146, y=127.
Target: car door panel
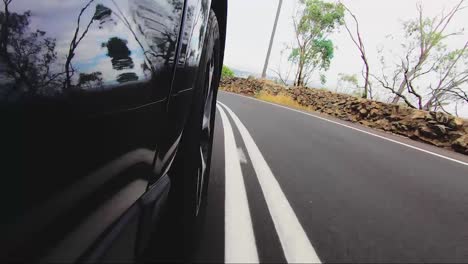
x=185, y=77
x=83, y=101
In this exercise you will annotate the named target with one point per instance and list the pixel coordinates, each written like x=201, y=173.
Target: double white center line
x=239, y=237
x=294, y=241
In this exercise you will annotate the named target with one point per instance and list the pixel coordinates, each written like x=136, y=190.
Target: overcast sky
x=250, y=24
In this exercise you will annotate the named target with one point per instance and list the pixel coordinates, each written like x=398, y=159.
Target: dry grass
x=281, y=99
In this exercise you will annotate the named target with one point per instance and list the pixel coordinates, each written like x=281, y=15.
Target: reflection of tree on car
x=101, y=13
x=89, y=81
x=160, y=29
x=31, y=58
x=28, y=55
x=34, y=66
x=86, y=103
x=117, y=49
x=127, y=77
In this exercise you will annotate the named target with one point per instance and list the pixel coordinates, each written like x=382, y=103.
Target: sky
x=250, y=24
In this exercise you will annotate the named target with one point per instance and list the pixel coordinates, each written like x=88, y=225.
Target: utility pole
x=265, y=67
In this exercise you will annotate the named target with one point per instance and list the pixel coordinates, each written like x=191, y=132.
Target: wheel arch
x=220, y=8
x=185, y=75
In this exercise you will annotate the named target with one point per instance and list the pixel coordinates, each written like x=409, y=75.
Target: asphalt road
x=286, y=186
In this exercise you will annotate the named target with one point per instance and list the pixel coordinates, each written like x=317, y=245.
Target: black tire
x=194, y=153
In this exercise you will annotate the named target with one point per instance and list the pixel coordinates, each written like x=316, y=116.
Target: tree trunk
x=401, y=89
x=67, y=83
x=366, y=81
x=409, y=75
x=5, y=29
x=431, y=102
x=299, y=80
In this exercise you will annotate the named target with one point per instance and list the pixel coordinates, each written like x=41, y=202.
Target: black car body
x=96, y=97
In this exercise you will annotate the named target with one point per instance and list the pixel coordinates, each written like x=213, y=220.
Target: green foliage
x=320, y=17
x=313, y=50
x=423, y=32
x=324, y=49
x=428, y=73
x=227, y=72
x=319, y=55
x=323, y=79
x=348, y=83
x=351, y=79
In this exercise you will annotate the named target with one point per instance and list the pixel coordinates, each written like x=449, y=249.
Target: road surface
x=287, y=186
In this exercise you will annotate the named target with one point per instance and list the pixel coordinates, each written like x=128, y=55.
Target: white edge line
x=240, y=245
x=294, y=241
x=360, y=130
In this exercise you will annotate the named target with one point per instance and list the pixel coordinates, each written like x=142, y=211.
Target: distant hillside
x=244, y=74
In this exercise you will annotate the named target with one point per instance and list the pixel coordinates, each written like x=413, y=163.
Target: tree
x=101, y=12
x=119, y=53
x=452, y=73
x=88, y=81
x=348, y=83
x=127, y=77
x=281, y=77
x=313, y=22
x=226, y=72
x=29, y=55
x=424, y=37
x=357, y=40
x=428, y=75
x=161, y=37
x=118, y=50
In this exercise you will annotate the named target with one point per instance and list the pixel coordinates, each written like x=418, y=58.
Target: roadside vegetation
x=423, y=73
x=281, y=99
x=226, y=72
x=435, y=128
x=414, y=91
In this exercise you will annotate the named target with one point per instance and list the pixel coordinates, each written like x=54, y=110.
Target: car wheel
x=191, y=168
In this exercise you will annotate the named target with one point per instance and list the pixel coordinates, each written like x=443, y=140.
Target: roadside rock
x=461, y=144
x=436, y=128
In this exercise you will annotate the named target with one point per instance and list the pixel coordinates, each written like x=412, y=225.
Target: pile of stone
x=436, y=128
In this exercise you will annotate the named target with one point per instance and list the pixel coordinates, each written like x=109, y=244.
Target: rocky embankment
x=434, y=128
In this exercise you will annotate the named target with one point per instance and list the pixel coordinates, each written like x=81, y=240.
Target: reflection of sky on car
x=102, y=63
x=90, y=55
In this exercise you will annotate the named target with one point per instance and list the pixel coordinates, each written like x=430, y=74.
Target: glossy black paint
x=94, y=96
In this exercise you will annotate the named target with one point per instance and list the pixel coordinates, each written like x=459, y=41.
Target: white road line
x=239, y=239
x=242, y=157
x=360, y=130
x=296, y=245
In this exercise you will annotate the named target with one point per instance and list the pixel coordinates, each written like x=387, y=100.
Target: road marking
x=296, y=245
x=242, y=157
x=360, y=130
x=239, y=239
